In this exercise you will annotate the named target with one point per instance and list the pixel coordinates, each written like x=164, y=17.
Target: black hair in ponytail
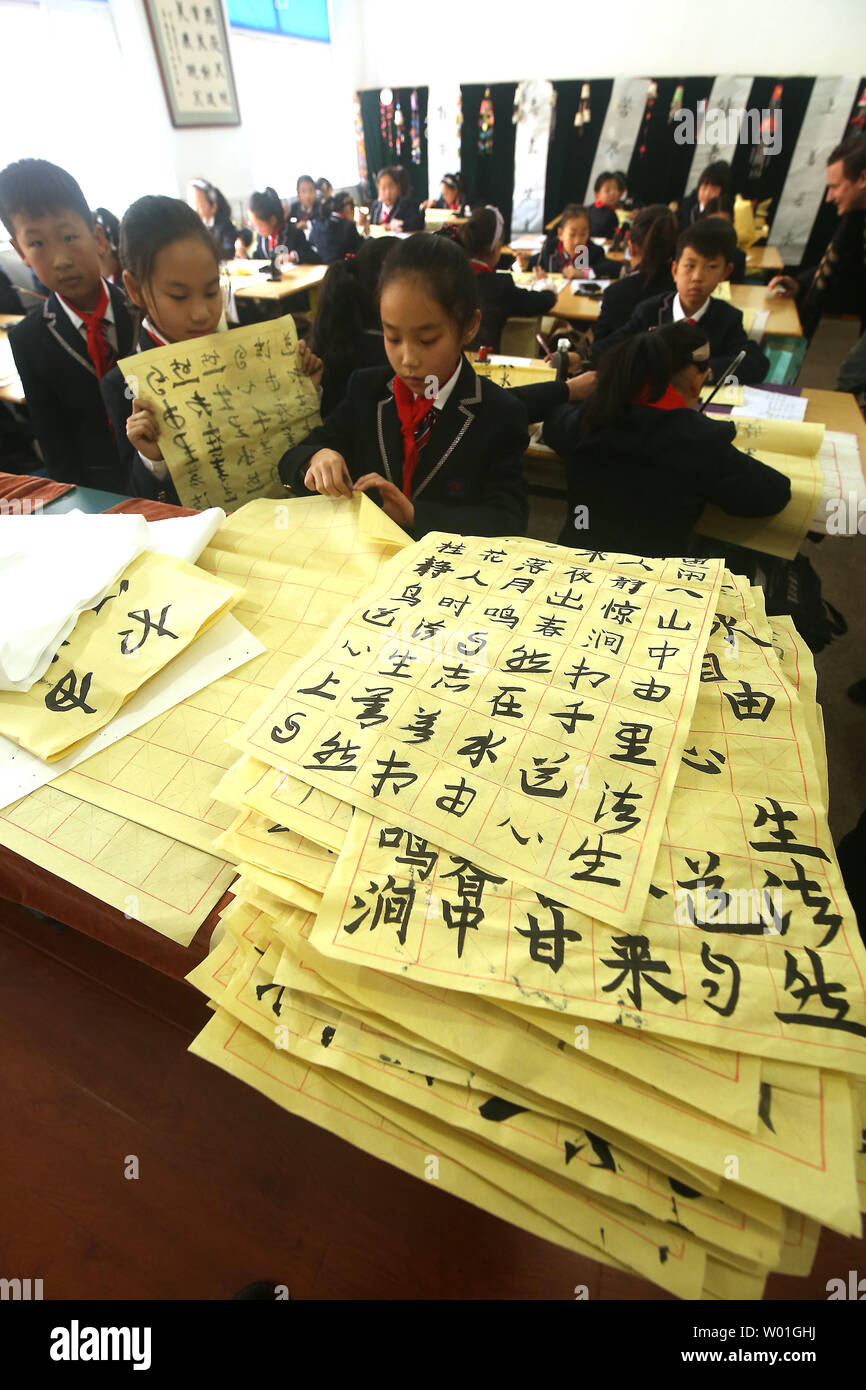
x=648, y=360
x=267, y=204
x=654, y=232
x=348, y=306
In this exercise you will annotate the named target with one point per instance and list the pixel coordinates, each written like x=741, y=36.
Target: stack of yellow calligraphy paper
x=537, y=900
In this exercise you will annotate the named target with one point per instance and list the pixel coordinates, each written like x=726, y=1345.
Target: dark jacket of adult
x=469, y=477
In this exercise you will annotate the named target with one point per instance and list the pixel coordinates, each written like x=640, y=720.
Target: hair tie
x=499, y=232
x=349, y=256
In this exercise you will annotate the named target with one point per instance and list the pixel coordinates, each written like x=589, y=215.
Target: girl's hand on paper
x=394, y=503
x=142, y=430
x=327, y=473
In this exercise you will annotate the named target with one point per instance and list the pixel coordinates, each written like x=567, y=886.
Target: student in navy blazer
x=395, y=207
x=66, y=344
x=703, y=261
x=333, y=233
x=442, y=447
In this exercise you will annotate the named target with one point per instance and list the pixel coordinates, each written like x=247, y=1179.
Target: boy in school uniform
x=65, y=346
x=603, y=221
x=703, y=260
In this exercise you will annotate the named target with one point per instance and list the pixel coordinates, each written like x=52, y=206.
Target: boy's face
x=449, y=194
x=574, y=233
x=306, y=193
x=608, y=194
x=348, y=210
x=708, y=191
x=61, y=249
x=696, y=277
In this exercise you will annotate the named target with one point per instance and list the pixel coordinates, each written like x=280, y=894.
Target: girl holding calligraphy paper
x=171, y=272
x=443, y=447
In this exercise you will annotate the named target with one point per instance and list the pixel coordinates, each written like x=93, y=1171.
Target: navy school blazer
x=405, y=210
x=61, y=390
x=140, y=481
x=723, y=325
x=469, y=477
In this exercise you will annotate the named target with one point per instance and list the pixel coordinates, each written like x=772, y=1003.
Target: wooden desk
x=12, y=390
x=837, y=410
x=580, y=307
x=296, y=280
x=764, y=258
x=784, y=321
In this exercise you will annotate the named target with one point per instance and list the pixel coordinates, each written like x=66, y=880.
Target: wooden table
x=764, y=258
x=298, y=279
x=13, y=390
x=784, y=321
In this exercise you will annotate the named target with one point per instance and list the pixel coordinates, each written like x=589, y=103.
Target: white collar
x=445, y=391
x=154, y=333
x=679, y=312
x=76, y=320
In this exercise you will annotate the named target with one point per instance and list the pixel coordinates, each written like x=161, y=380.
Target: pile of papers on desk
x=538, y=901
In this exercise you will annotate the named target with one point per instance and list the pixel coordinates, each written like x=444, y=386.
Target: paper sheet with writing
x=228, y=405
x=747, y=922
x=296, y=563
x=792, y=448
x=156, y=610
x=515, y=372
x=478, y=688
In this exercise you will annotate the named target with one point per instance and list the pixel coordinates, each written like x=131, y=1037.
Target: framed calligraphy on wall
x=192, y=47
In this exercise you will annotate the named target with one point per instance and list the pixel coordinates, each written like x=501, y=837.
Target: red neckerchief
x=480, y=267
x=561, y=257
x=386, y=216
x=670, y=400
x=412, y=410
x=99, y=350
x=597, y=204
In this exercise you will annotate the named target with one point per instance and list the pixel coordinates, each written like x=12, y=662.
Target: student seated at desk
x=65, y=346
x=450, y=195
x=603, y=221
x=303, y=209
x=652, y=243
x=703, y=260
x=641, y=458
x=346, y=332
x=394, y=207
x=333, y=233
x=171, y=272
x=568, y=250
x=724, y=208
x=213, y=208
x=500, y=299
x=268, y=220
x=715, y=182
x=442, y=447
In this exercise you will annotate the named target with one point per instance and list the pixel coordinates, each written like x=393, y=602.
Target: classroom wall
x=115, y=133
x=509, y=40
